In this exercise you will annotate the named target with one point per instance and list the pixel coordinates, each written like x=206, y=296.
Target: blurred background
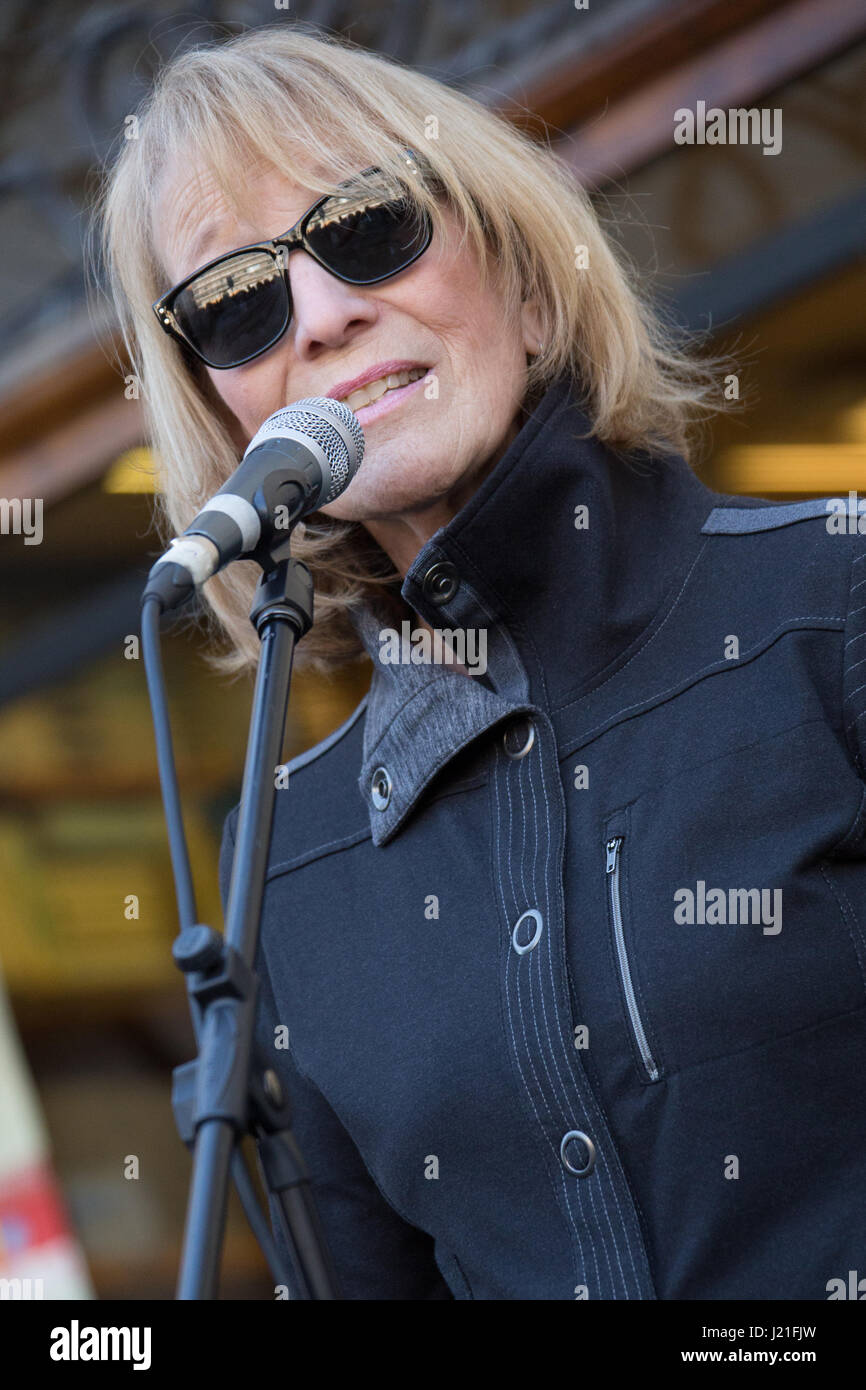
x=766, y=252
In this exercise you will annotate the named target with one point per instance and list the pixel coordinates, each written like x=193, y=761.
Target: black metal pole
x=221, y=972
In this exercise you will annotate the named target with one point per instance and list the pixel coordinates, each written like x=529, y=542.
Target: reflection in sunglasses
x=251, y=271
x=371, y=195
x=368, y=229
x=226, y=281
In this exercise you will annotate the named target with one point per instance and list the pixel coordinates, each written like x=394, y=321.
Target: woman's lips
x=391, y=399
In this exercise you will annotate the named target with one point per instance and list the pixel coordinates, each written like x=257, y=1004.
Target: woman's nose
x=325, y=310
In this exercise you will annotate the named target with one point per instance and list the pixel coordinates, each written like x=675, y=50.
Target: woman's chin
x=379, y=491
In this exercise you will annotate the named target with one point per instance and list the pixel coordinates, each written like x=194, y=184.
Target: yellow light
x=134, y=471
x=853, y=422
x=763, y=469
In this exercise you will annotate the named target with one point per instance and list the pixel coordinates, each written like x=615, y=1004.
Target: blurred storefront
x=761, y=252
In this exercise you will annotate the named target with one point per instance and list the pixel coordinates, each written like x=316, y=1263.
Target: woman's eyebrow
x=201, y=248
x=203, y=237
x=194, y=212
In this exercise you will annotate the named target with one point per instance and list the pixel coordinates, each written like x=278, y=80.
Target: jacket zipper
x=612, y=863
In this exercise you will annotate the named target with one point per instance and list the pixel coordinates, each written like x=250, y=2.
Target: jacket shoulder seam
x=830, y=624
x=741, y=521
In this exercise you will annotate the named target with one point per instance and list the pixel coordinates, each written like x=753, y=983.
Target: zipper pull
x=612, y=851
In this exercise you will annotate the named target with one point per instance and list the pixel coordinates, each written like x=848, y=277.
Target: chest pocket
x=730, y=924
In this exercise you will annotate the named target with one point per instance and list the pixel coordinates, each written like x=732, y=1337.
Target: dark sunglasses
x=237, y=306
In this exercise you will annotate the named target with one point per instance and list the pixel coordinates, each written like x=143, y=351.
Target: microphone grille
x=328, y=423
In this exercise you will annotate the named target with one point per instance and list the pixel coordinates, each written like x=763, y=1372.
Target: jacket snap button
x=532, y=915
x=381, y=788
x=441, y=582
x=577, y=1152
x=519, y=738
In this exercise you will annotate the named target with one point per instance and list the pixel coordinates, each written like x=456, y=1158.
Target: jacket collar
x=561, y=558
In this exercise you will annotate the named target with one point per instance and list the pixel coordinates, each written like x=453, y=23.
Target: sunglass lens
x=367, y=237
x=238, y=308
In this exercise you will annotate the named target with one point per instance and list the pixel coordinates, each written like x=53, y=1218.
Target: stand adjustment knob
x=197, y=948
x=273, y=1089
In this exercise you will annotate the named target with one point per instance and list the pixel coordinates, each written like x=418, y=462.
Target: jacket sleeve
x=377, y=1254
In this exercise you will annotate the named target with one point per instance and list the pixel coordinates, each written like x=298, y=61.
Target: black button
x=441, y=582
x=519, y=738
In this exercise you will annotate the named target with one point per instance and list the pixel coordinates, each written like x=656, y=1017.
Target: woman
x=563, y=948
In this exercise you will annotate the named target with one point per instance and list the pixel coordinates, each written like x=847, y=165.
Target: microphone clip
x=284, y=592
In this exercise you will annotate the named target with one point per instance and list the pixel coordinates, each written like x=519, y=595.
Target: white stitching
x=563, y=1088
x=593, y=1106
x=581, y=1267
x=714, y=667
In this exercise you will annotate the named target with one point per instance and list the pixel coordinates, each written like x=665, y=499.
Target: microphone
x=303, y=457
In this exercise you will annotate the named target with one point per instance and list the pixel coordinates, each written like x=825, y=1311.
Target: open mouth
x=375, y=390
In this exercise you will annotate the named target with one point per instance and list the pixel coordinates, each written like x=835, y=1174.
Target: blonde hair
x=317, y=109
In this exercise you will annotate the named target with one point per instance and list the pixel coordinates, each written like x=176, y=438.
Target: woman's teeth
x=366, y=395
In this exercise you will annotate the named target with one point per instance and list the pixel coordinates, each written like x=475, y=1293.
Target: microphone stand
x=230, y=1089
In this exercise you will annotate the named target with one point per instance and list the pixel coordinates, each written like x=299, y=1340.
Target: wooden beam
x=65, y=421
x=739, y=71
x=75, y=453
x=65, y=370
x=566, y=86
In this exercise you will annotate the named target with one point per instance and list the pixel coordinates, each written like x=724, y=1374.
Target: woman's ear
x=532, y=327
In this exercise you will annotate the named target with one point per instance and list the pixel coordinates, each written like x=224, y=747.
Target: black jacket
x=571, y=955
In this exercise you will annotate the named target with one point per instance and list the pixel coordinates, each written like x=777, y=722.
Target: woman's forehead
x=198, y=215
